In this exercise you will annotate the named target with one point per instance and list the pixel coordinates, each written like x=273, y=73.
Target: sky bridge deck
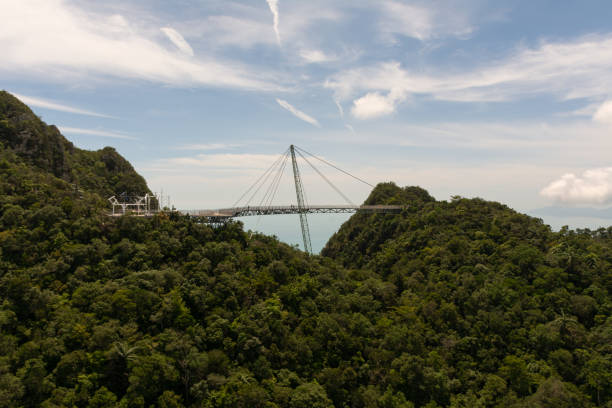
x=223, y=214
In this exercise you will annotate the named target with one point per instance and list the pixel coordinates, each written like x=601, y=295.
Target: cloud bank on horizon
x=466, y=82
x=591, y=187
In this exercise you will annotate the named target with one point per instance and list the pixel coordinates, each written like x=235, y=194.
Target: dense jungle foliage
x=104, y=171
x=450, y=304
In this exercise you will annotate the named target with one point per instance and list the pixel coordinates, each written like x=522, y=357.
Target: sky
x=508, y=101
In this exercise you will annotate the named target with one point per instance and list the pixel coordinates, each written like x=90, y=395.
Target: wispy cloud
x=57, y=106
x=587, y=110
x=247, y=25
x=424, y=22
x=96, y=132
x=224, y=161
x=591, y=187
x=603, y=113
x=63, y=42
x=178, y=40
x=234, y=31
x=339, y=106
x=578, y=69
x=208, y=146
x=273, y=4
x=316, y=56
x=298, y=113
x=540, y=143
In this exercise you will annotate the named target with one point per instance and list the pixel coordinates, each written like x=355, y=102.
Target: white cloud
x=53, y=105
x=208, y=146
x=273, y=4
x=56, y=40
x=591, y=187
x=316, y=56
x=224, y=161
x=247, y=25
x=235, y=31
x=424, y=22
x=586, y=110
x=303, y=20
x=95, y=132
x=373, y=104
x=408, y=20
x=349, y=127
x=339, y=106
x=579, y=69
x=603, y=114
x=542, y=144
x=298, y=113
x=228, y=168
x=178, y=40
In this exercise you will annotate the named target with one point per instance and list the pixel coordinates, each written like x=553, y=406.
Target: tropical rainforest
x=459, y=303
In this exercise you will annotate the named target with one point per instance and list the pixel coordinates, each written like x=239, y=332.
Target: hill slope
x=103, y=172
x=494, y=292
x=460, y=304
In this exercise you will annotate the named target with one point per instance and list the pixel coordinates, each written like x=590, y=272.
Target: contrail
x=298, y=113
x=273, y=4
x=339, y=108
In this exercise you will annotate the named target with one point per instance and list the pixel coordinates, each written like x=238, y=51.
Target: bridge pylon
x=299, y=192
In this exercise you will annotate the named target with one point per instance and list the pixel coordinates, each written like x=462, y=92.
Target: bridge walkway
x=224, y=214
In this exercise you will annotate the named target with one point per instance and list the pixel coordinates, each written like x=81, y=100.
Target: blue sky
x=509, y=101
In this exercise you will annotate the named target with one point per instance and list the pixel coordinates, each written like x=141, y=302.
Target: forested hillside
x=508, y=305
x=43, y=147
x=449, y=304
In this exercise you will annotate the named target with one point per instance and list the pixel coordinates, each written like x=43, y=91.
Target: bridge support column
x=299, y=191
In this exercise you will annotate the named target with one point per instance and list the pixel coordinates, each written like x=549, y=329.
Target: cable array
x=335, y=167
x=261, y=181
x=325, y=178
x=269, y=182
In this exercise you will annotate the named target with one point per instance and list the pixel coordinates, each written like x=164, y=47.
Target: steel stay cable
x=253, y=185
x=335, y=167
x=271, y=186
x=276, y=165
x=282, y=170
x=278, y=181
x=263, y=183
x=271, y=192
x=267, y=175
x=259, y=179
x=326, y=179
